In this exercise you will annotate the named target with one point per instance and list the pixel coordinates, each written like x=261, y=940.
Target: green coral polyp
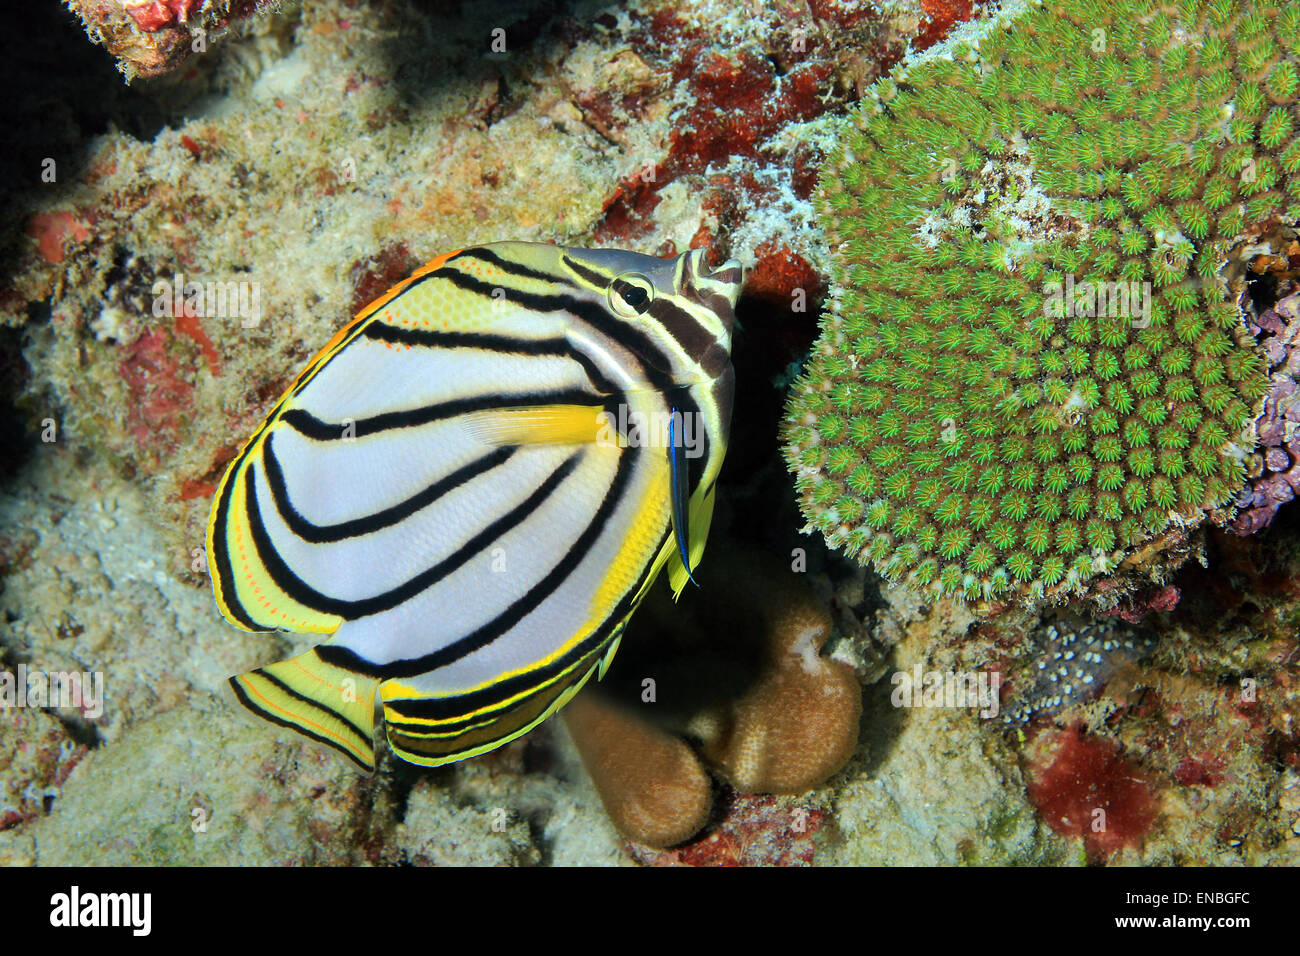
x=1029, y=367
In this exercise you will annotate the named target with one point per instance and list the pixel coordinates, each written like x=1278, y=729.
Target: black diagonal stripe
x=492, y=703
x=694, y=338
x=437, y=338
x=297, y=728
x=479, y=253
x=462, y=280
x=221, y=552
x=298, y=589
x=432, y=338
x=307, y=424
x=487, y=633
x=639, y=344
x=632, y=339
x=442, y=708
x=271, y=678
x=507, y=266
x=654, y=361
x=321, y=534
x=593, y=277
x=585, y=655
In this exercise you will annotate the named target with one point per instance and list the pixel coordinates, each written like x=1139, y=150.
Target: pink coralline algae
x=153, y=15
x=1274, y=469
x=153, y=37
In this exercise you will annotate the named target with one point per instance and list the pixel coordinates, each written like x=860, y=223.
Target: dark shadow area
x=756, y=503
x=60, y=92
x=448, y=43
x=16, y=435
x=882, y=722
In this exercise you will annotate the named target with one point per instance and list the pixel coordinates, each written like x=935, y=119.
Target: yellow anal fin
x=327, y=703
x=701, y=518
x=428, y=744
x=542, y=425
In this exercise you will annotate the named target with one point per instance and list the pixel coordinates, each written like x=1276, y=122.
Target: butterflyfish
x=470, y=489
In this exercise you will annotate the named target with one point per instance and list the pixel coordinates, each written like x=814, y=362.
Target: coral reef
x=1034, y=374
x=306, y=161
x=739, y=673
x=313, y=156
x=153, y=37
x=1273, y=470
x=1072, y=662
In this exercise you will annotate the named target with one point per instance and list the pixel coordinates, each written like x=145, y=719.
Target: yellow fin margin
x=435, y=749
x=330, y=704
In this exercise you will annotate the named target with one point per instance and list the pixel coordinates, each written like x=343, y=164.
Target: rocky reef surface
x=310, y=156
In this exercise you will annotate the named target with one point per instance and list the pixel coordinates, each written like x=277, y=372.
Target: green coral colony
x=957, y=426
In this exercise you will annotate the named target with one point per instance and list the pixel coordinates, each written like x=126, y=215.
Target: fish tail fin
x=327, y=703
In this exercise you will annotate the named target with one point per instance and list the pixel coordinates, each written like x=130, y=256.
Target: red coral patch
x=374, y=276
x=941, y=17
x=779, y=275
x=160, y=398
x=737, y=102
x=152, y=15
x=1084, y=788
x=189, y=325
x=50, y=229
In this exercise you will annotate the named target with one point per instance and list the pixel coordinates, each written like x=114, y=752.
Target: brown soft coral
x=651, y=783
x=734, y=668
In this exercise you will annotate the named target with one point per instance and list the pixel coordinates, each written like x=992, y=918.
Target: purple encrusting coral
x=1071, y=663
x=1274, y=468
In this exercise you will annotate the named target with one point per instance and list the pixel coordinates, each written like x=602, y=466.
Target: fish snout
x=717, y=289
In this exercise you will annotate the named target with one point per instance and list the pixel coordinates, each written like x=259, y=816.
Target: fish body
x=469, y=489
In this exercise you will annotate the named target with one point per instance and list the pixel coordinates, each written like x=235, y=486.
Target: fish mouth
x=715, y=289
x=728, y=277
x=730, y=274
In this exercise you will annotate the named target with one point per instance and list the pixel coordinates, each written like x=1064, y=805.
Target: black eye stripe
x=634, y=295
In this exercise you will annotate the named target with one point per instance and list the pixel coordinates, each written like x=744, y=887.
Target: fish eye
x=630, y=295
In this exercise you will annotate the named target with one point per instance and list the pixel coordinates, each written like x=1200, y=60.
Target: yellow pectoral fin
x=327, y=703
x=701, y=518
x=543, y=425
x=609, y=654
